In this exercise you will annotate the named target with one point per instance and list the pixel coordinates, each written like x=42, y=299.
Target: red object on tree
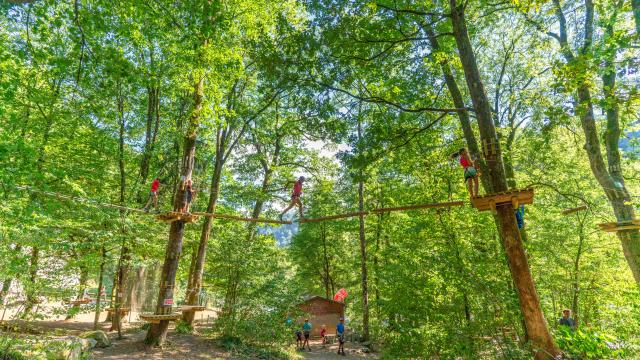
x=340, y=295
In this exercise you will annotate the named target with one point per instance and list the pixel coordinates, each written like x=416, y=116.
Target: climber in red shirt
x=295, y=196
x=153, y=195
x=470, y=171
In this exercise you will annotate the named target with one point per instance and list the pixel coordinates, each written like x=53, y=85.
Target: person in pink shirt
x=153, y=195
x=295, y=196
x=470, y=171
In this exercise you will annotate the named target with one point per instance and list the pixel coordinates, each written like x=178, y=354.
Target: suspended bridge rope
x=384, y=210
x=92, y=202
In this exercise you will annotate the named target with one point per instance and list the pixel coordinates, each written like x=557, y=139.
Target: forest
x=186, y=179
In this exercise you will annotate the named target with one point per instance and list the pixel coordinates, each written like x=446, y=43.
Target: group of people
x=189, y=195
x=306, y=332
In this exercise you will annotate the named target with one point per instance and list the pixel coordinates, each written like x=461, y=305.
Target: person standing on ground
x=299, y=339
x=295, y=196
x=340, y=334
x=153, y=195
x=306, y=327
x=566, y=320
x=323, y=333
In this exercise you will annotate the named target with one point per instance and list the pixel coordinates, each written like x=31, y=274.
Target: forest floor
x=177, y=346
x=330, y=351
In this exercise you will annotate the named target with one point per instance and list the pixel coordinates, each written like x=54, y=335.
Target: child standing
x=323, y=333
x=307, y=333
x=470, y=171
x=340, y=334
x=188, y=195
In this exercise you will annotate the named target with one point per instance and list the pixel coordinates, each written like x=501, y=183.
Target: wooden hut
x=322, y=312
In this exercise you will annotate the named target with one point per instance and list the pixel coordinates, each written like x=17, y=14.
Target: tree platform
x=514, y=197
x=192, y=308
x=77, y=302
x=620, y=226
x=121, y=310
x=177, y=216
x=156, y=318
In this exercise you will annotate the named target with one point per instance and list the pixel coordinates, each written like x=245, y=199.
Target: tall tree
x=506, y=222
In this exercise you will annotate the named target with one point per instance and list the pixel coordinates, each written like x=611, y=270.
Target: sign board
x=167, y=302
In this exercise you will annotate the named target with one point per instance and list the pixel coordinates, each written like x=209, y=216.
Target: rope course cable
x=92, y=202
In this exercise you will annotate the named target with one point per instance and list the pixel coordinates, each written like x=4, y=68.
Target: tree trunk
x=576, y=271
x=158, y=332
x=635, y=4
x=618, y=194
x=235, y=276
x=151, y=130
x=6, y=285
x=193, y=291
x=96, y=317
x=82, y=287
x=535, y=323
x=123, y=261
x=33, y=275
x=463, y=116
x=363, y=252
x=326, y=276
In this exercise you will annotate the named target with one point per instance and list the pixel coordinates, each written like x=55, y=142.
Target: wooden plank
x=125, y=310
x=177, y=216
x=192, y=308
x=491, y=201
x=156, y=318
x=620, y=226
x=575, y=210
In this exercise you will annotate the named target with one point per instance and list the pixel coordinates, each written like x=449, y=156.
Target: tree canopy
x=366, y=99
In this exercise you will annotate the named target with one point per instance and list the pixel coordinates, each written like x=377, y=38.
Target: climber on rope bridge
x=153, y=195
x=295, y=196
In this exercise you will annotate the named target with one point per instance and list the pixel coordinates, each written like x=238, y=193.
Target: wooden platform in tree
x=122, y=310
x=574, y=210
x=156, y=318
x=177, y=216
x=514, y=197
x=78, y=302
x=620, y=226
x=192, y=308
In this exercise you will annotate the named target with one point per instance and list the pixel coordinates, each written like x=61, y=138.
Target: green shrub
x=183, y=327
x=8, y=354
x=586, y=344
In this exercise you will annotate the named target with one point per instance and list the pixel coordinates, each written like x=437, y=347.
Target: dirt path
x=177, y=347
x=330, y=351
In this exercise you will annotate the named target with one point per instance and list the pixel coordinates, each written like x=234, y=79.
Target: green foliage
x=183, y=327
x=587, y=344
x=85, y=84
x=239, y=348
